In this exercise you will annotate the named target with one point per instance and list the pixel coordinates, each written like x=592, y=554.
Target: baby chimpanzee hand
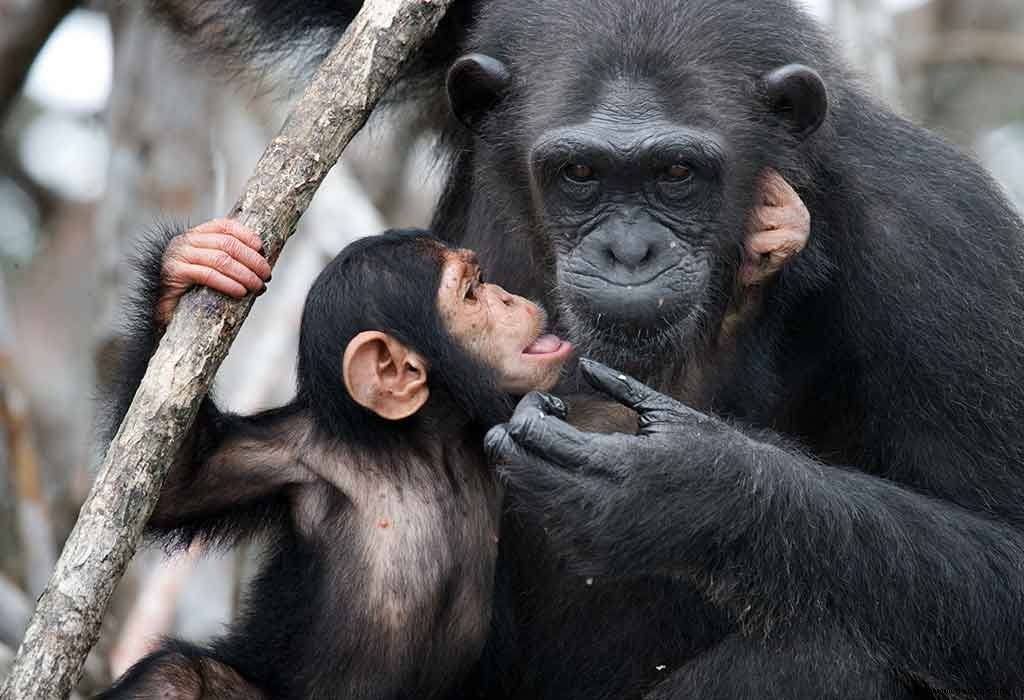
x=779, y=228
x=221, y=254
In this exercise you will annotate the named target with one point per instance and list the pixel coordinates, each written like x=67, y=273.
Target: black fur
x=355, y=293
x=891, y=349
x=380, y=536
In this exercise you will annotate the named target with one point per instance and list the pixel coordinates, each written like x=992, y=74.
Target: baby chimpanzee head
x=398, y=317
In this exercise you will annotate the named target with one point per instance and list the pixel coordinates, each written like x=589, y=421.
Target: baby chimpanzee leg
x=182, y=671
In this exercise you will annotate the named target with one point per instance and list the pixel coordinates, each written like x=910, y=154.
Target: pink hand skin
x=779, y=229
x=221, y=254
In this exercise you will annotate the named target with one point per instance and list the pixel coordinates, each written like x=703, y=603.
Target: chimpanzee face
x=639, y=188
x=500, y=330
x=483, y=343
x=629, y=202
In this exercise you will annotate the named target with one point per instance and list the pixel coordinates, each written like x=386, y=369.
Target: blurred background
x=107, y=126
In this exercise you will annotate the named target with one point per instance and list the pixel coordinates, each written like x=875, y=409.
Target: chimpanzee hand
x=779, y=228
x=221, y=254
x=602, y=498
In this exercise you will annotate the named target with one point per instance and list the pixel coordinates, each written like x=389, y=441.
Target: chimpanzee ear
x=384, y=376
x=797, y=93
x=476, y=83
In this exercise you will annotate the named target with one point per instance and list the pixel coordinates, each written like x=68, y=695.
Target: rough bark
x=24, y=28
x=344, y=91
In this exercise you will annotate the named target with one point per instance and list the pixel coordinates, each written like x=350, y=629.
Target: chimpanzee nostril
x=632, y=252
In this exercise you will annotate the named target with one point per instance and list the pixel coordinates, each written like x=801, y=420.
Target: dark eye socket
x=677, y=172
x=578, y=173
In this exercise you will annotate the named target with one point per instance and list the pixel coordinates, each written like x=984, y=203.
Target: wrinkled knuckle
x=535, y=398
x=525, y=426
x=205, y=276
x=556, y=404
x=221, y=261
x=172, y=269
x=533, y=427
x=497, y=443
x=234, y=247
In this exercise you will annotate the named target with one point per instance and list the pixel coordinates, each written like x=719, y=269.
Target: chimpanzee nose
x=632, y=252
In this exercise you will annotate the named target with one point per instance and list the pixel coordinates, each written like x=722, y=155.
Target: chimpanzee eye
x=677, y=172
x=578, y=173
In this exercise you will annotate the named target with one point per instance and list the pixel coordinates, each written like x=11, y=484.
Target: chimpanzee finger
x=552, y=438
x=543, y=402
x=500, y=449
x=234, y=228
x=765, y=219
x=209, y=277
x=770, y=250
x=652, y=406
x=536, y=479
x=775, y=190
x=224, y=264
x=232, y=247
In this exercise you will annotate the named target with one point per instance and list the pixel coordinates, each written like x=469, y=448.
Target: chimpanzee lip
x=547, y=345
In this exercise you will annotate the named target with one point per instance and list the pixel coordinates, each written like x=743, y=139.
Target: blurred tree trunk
x=965, y=62
x=864, y=28
x=24, y=27
x=161, y=166
x=28, y=541
x=10, y=547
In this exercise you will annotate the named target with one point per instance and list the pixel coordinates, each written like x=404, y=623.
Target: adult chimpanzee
x=383, y=531
x=371, y=486
x=850, y=523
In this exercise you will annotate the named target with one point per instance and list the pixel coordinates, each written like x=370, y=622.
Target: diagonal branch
x=344, y=91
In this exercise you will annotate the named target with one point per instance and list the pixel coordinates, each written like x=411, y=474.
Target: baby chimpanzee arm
x=230, y=475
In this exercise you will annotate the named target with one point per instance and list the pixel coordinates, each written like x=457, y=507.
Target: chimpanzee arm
x=230, y=475
x=936, y=586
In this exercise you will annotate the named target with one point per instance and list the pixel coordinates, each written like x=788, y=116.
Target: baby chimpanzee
x=370, y=487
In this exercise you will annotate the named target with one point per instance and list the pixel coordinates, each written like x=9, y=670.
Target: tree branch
x=344, y=91
x=24, y=27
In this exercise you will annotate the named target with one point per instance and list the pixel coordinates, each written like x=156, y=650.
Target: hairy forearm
x=782, y=539
x=141, y=330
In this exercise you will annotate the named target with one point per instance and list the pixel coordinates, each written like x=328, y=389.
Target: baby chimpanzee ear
x=384, y=376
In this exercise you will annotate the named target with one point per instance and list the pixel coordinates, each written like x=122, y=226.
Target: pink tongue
x=543, y=345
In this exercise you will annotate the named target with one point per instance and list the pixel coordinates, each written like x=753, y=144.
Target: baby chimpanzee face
x=427, y=318
x=500, y=330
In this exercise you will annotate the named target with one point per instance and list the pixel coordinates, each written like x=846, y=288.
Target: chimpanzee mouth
x=624, y=341
x=548, y=344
